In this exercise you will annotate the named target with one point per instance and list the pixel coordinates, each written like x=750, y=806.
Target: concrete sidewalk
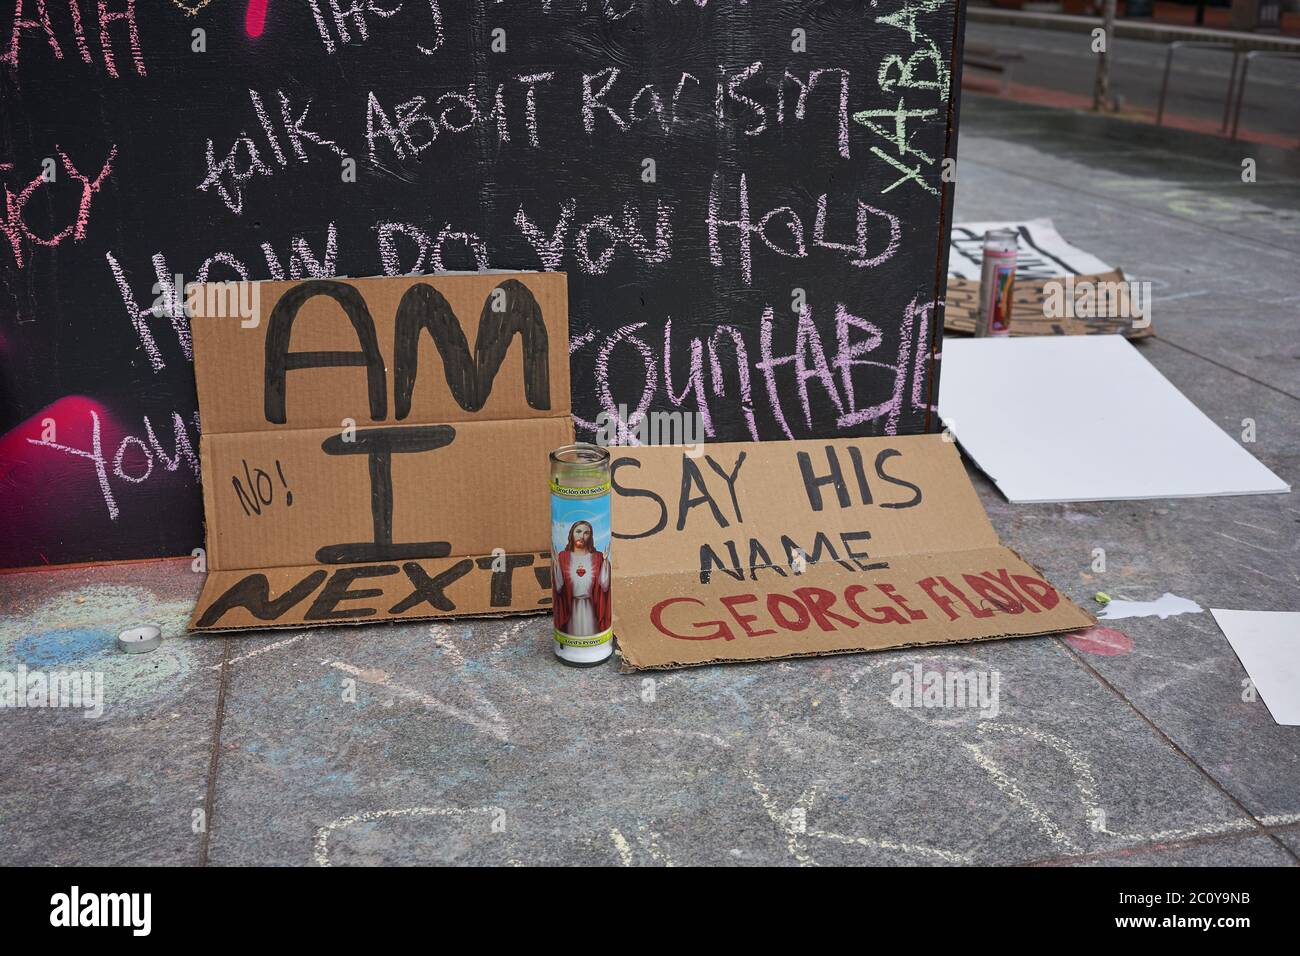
x=466, y=743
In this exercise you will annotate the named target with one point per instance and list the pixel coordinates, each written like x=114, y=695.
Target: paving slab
x=446, y=728
x=123, y=786
x=1290, y=837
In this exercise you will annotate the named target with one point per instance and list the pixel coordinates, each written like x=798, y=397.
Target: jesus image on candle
x=581, y=576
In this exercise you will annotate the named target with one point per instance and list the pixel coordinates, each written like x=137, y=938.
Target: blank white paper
x=1086, y=418
x=1268, y=645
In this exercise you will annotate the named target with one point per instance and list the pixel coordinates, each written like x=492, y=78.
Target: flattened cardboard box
x=363, y=460
x=789, y=549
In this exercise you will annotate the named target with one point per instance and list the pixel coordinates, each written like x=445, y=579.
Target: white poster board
x=1086, y=418
x=1268, y=645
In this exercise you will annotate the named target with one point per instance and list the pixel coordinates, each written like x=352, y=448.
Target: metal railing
x=1243, y=46
x=1241, y=83
x=1204, y=45
x=1135, y=29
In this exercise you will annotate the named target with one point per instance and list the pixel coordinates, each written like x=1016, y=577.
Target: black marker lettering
x=280, y=360
x=757, y=551
x=864, y=489
x=470, y=377
x=380, y=444
x=709, y=560
x=820, y=543
x=730, y=479
x=847, y=538
x=691, y=476
x=626, y=492
x=429, y=590
x=324, y=608
x=812, y=484
x=253, y=594
x=880, y=470
x=502, y=581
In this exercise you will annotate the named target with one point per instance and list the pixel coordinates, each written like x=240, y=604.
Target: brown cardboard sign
x=363, y=460
x=787, y=549
x=1111, y=313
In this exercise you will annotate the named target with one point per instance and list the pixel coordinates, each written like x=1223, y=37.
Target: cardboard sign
x=1111, y=313
x=788, y=549
x=361, y=462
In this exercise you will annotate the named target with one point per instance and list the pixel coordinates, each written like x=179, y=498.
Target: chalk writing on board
x=34, y=29
x=782, y=377
x=774, y=167
x=16, y=228
x=340, y=27
x=838, y=373
x=904, y=120
x=243, y=160
x=132, y=461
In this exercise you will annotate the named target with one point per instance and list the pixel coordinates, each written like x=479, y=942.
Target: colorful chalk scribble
x=74, y=468
x=77, y=629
